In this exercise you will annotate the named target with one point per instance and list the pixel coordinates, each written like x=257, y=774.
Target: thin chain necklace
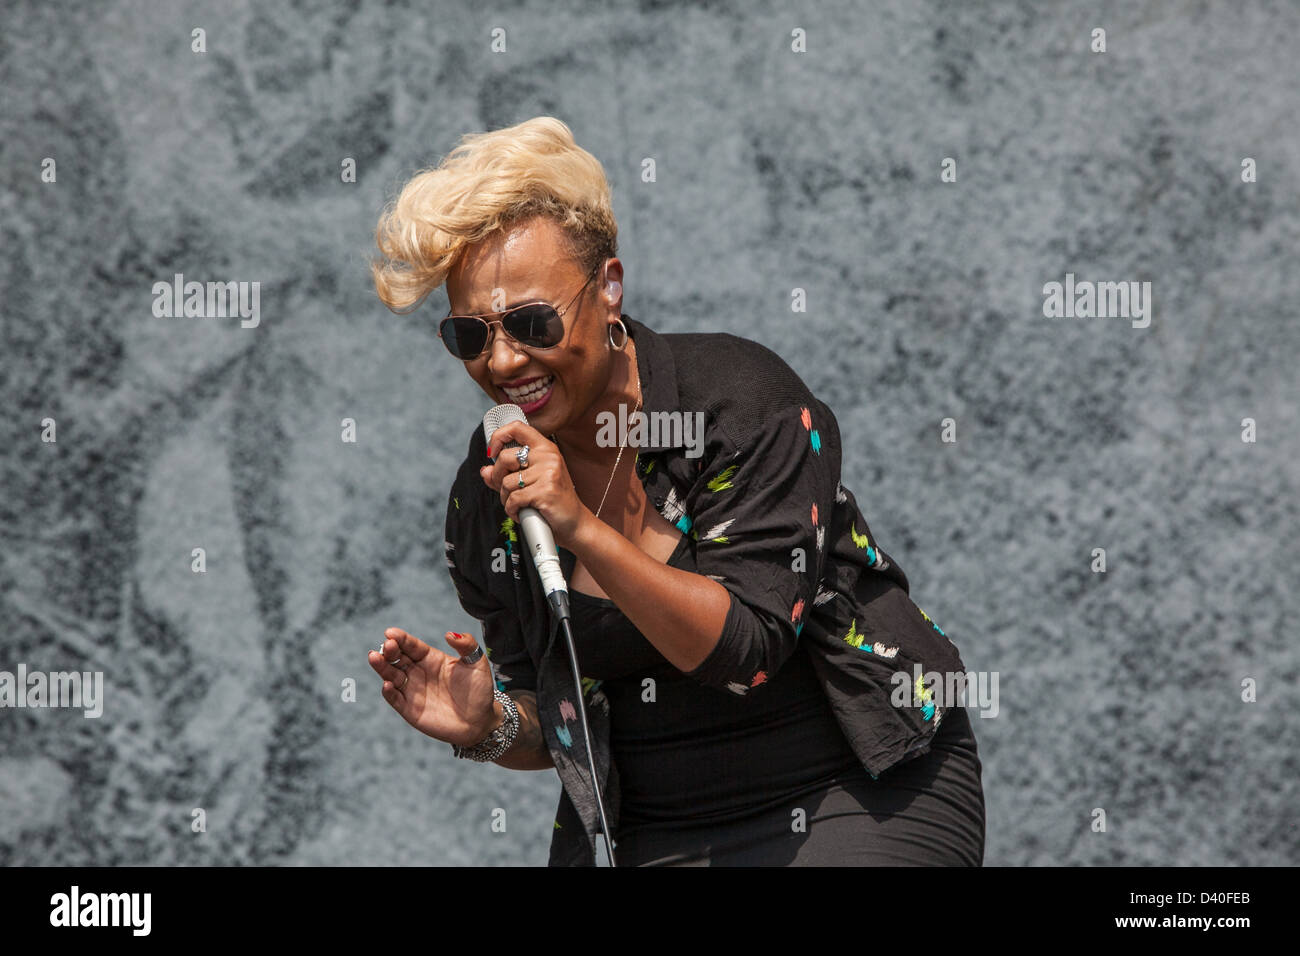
x=622, y=443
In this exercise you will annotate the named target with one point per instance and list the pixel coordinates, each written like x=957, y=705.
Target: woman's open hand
x=436, y=693
x=547, y=484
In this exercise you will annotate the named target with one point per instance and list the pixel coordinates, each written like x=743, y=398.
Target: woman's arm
x=682, y=614
x=758, y=511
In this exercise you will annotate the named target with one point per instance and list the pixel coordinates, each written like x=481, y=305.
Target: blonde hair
x=489, y=182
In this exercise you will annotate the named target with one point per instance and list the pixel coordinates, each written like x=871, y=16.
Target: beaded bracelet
x=498, y=742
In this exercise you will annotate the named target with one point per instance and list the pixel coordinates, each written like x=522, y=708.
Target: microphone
x=537, y=533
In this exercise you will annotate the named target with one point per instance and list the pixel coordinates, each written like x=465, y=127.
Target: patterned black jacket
x=770, y=520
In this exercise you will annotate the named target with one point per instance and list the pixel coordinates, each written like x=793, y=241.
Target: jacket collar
x=658, y=371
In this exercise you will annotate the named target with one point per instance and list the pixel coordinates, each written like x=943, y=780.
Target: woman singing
x=751, y=661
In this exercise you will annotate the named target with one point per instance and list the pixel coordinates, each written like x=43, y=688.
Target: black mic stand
x=559, y=604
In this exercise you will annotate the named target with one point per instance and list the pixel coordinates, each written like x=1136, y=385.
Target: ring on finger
x=522, y=456
x=521, y=479
x=404, y=682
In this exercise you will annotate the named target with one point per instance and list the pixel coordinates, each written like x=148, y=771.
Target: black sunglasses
x=535, y=325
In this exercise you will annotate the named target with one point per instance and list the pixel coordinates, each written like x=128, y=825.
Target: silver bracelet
x=499, y=741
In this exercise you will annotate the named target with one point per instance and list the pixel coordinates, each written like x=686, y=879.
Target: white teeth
x=530, y=393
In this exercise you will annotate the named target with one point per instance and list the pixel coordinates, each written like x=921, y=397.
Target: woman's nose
x=503, y=354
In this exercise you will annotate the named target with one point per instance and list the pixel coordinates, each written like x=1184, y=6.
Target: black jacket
x=770, y=521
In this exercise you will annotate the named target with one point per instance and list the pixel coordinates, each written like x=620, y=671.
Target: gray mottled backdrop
x=775, y=171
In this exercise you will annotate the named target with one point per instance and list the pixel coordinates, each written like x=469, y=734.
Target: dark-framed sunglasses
x=534, y=325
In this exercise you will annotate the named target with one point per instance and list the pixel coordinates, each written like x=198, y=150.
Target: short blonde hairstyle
x=489, y=182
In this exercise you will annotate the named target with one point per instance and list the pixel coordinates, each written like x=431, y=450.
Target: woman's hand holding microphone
x=547, y=484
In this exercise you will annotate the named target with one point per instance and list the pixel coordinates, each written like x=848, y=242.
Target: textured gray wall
x=775, y=170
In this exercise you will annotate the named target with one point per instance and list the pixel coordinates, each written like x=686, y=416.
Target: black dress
x=767, y=779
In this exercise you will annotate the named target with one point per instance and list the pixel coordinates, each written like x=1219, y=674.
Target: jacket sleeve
x=759, y=517
x=469, y=562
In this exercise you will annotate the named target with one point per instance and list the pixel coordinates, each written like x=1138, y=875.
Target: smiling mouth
x=527, y=394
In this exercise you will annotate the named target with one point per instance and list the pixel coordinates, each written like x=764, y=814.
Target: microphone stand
x=559, y=604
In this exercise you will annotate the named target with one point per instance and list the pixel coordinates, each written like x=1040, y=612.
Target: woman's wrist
x=494, y=722
x=500, y=738
x=584, y=535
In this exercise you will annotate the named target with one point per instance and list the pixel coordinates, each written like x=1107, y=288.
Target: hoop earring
x=621, y=345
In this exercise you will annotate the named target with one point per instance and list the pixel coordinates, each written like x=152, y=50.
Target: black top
x=761, y=498
x=689, y=753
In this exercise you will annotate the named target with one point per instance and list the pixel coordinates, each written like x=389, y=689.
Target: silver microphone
x=537, y=533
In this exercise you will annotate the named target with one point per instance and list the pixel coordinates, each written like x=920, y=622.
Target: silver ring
x=521, y=479
x=523, y=457
x=398, y=661
x=405, y=682
x=473, y=656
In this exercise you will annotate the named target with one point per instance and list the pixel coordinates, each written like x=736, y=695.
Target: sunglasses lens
x=538, y=326
x=465, y=336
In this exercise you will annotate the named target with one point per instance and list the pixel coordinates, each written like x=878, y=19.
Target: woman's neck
x=587, y=443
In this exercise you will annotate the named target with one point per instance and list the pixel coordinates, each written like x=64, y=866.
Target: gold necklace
x=621, y=445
